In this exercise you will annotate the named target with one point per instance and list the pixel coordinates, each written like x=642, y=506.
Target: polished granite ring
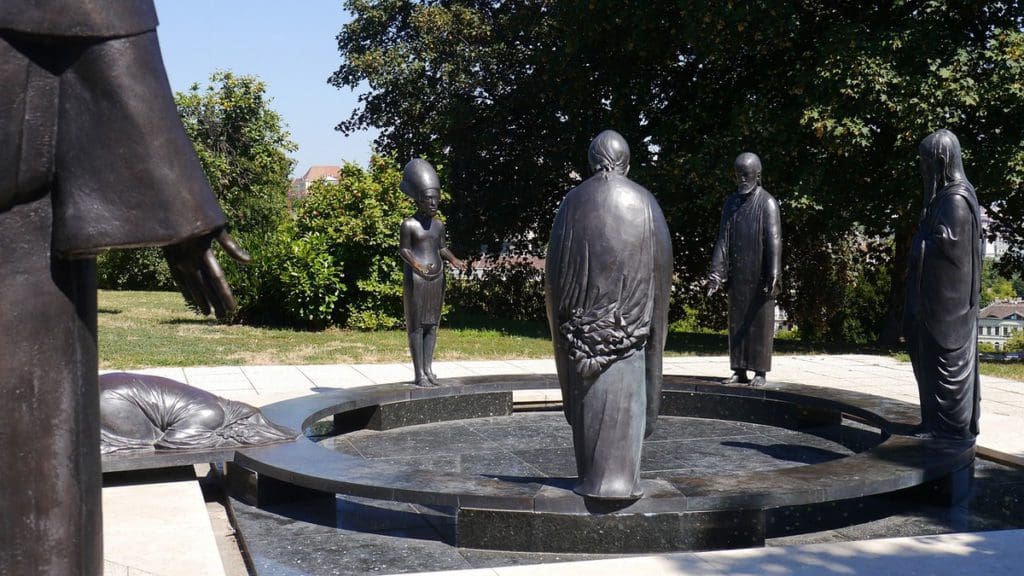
x=678, y=512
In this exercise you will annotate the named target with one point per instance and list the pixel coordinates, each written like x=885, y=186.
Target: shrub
x=356, y=223
x=134, y=269
x=308, y=284
x=512, y=289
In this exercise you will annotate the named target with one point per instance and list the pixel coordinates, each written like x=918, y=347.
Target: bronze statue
x=943, y=281
x=141, y=412
x=92, y=156
x=422, y=248
x=747, y=261
x=607, y=283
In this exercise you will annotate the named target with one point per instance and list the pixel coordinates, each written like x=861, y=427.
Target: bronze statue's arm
x=719, y=254
x=663, y=271
x=453, y=259
x=773, y=247
x=200, y=276
x=405, y=251
x=449, y=255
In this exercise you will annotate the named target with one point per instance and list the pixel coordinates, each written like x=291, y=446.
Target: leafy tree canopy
x=243, y=146
x=834, y=97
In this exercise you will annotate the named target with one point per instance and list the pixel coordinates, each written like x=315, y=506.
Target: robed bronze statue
x=747, y=261
x=941, y=306
x=607, y=284
x=92, y=156
x=423, y=251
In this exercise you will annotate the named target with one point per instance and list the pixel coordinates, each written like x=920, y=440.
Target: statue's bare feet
x=431, y=376
x=757, y=382
x=423, y=382
x=736, y=378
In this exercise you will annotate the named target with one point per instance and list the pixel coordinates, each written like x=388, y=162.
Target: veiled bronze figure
x=747, y=261
x=423, y=250
x=943, y=281
x=608, y=277
x=92, y=156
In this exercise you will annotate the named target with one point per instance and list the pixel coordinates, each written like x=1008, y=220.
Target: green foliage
x=851, y=285
x=355, y=223
x=1018, y=284
x=788, y=335
x=994, y=286
x=1016, y=342
x=243, y=147
x=512, y=289
x=309, y=280
x=987, y=347
x=133, y=269
x=834, y=96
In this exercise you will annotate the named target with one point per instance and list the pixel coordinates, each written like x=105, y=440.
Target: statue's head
x=940, y=162
x=420, y=182
x=609, y=153
x=747, y=168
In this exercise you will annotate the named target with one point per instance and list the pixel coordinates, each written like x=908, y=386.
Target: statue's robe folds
x=747, y=254
x=143, y=412
x=941, y=312
x=608, y=278
x=92, y=156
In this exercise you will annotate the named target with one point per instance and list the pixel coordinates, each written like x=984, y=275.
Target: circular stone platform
x=532, y=445
x=685, y=507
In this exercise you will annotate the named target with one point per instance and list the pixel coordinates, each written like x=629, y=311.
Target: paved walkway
x=976, y=553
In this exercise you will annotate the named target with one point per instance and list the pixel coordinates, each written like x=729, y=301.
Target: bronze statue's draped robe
x=92, y=156
x=747, y=254
x=608, y=277
x=941, y=312
x=142, y=412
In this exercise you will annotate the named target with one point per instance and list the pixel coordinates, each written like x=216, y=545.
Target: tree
x=993, y=286
x=355, y=223
x=243, y=147
x=1016, y=342
x=834, y=96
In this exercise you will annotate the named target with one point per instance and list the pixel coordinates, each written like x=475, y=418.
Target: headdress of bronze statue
x=607, y=283
x=747, y=262
x=92, y=156
x=423, y=250
x=141, y=412
x=943, y=281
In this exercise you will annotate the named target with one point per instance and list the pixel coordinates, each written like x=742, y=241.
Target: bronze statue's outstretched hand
x=200, y=276
x=772, y=287
x=714, y=284
x=460, y=265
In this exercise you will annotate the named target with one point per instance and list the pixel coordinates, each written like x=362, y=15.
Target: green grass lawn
x=145, y=329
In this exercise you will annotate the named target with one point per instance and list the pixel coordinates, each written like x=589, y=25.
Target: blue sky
x=290, y=45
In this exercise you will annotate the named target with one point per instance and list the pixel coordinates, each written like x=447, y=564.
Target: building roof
x=1003, y=309
x=317, y=172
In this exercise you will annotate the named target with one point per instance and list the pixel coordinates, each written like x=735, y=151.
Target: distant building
x=1000, y=320
x=995, y=247
x=299, y=187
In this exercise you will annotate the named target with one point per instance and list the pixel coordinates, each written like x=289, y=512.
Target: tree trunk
x=892, y=327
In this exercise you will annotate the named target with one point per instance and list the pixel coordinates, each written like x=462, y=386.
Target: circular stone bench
x=543, y=514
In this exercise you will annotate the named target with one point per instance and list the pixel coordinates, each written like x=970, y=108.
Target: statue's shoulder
x=410, y=224
x=956, y=204
x=769, y=201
